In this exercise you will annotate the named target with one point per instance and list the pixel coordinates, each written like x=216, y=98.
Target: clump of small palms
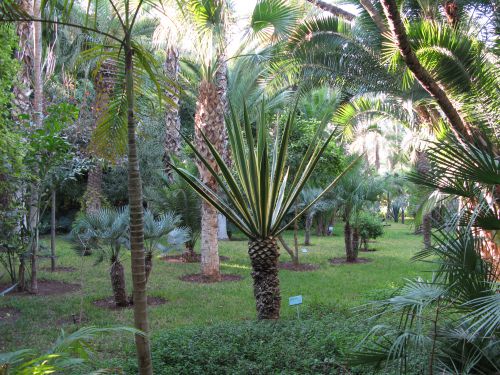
x=108, y=229
x=179, y=198
x=258, y=194
x=162, y=228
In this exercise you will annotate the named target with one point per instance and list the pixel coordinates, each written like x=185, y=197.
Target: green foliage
x=369, y=226
x=163, y=227
x=286, y=347
x=70, y=352
x=259, y=194
x=9, y=64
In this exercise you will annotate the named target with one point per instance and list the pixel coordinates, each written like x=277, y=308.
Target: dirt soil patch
x=182, y=259
x=302, y=267
x=109, y=303
x=337, y=261
x=46, y=288
x=59, y=269
x=9, y=315
x=202, y=279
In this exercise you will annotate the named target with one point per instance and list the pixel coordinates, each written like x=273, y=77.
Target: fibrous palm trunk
x=264, y=256
x=117, y=275
x=138, y=263
x=355, y=240
x=209, y=119
x=172, y=118
x=53, y=231
x=423, y=166
x=307, y=232
x=349, y=251
x=94, y=189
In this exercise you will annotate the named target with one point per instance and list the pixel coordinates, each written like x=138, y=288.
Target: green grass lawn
x=331, y=287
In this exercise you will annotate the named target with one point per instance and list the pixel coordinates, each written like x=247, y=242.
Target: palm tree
x=107, y=228
x=163, y=227
x=135, y=65
x=258, y=195
x=306, y=196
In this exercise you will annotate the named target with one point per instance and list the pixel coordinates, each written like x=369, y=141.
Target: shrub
x=370, y=227
x=283, y=347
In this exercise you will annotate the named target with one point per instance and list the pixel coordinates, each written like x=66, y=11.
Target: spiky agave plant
x=258, y=194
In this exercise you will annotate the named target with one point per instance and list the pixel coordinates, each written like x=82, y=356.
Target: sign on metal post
x=296, y=301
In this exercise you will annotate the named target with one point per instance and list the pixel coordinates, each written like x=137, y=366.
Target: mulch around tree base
x=337, y=261
x=59, y=269
x=181, y=259
x=109, y=303
x=9, y=315
x=302, y=267
x=202, y=279
x=45, y=288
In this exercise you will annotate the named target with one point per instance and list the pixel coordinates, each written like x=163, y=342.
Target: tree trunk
x=53, y=231
x=307, y=232
x=209, y=119
x=117, y=275
x=172, y=117
x=402, y=216
x=288, y=249
x=458, y=125
x=350, y=254
x=377, y=153
x=94, y=189
x=264, y=258
x=374, y=15
x=21, y=275
x=210, y=261
x=365, y=242
x=148, y=261
x=222, y=227
x=136, y=226
x=295, y=257
x=189, y=255
x=318, y=225
x=355, y=239
x=336, y=11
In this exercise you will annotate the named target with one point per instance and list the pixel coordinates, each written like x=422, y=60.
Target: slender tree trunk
x=117, y=275
x=458, y=125
x=264, y=258
x=307, y=232
x=288, y=249
x=53, y=231
x=377, y=153
x=365, y=242
x=318, y=225
x=136, y=226
x=374, y=15
x=402, y=216
x=148, y=261
x=189, y=254
x=336, y=11
x=172, y=116
x=295, y=240
x=21, y=275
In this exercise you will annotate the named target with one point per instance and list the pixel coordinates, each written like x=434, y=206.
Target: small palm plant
x=259, y=194
x=162, y=227
x=108, y=228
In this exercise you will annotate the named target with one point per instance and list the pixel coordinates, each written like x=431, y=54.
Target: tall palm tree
x=258, y=195
x=135, y=65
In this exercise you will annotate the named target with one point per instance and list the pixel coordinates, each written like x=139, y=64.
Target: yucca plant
x=108, y=228
x=258, y=194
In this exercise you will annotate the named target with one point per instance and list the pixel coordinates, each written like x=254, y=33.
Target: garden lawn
x=330, y=288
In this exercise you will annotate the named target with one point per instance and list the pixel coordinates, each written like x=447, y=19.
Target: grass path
x=331, y=286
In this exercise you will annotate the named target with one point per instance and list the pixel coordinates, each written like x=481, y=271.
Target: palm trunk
x=365, y=243
x=350, y=255
x=210, y=261
x=377, y=153
x=189, y=254
x=295, y=257
x=402, y=216
x=53, y=231
x=264, y=256
x=355, y=240
x=136, y=226
x=172, y=117
x=222, y=227
x=307, y=235
x=336, y=11
x=21, y=275
x=94, y=189
x=117, y=275
x=148, y=261
x=209, y=119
